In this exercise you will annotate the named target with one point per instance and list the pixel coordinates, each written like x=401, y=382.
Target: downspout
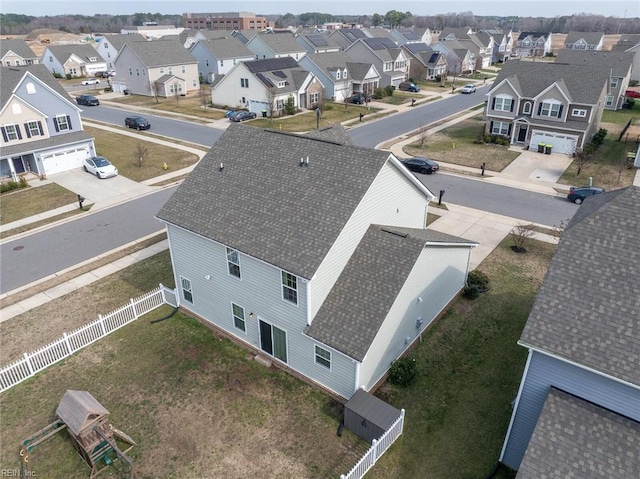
x=308, y=302
x=357, y=382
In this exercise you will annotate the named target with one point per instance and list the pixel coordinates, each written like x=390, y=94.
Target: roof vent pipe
x=301, y=161
x=307, y=161
x=221, y=166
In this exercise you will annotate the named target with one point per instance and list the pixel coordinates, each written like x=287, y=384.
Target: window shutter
x=4, y=134
x=26, y=129
x=40, y=128
x=18, y=132
x=509, y=131
x=560, y=111
x=539, y=108
x=55, y=123
x=69, y=122
x=491, y=127
x=512, y=103
x=493, y=104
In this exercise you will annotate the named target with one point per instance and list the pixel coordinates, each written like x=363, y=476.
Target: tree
x=376, y=20
x=176, y=93
x=582, y=157
x=520, y=235
x=140, y=154
x=203, y=93
x=422, y=136
x=155, y=90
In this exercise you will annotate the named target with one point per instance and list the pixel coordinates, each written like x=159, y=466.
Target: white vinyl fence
x=378, y=448
x=68, y=344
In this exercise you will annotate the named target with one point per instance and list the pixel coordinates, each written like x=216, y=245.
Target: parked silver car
x=100, y=166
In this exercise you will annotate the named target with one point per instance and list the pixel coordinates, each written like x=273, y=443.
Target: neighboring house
x=620, y=65
x=450, y=33
x=76, y=60
x=245, y=35
x=345, y=37
x=551, y=103
x=630, y=43
x=502, y=44
x=317, y=43
x=15, y=52
x=426, y=63
x=324, y=266
x=584, y=41
x=332, y=71
x=460, y=60
x=379, y=32
x=152, y=31
x=480, y=44
x=275, y=45
x=265, y=86
x=403, y=36
x=577, y=412
x=364, y=78
x=206, y=35
x=424, y=34
x=162, y=67
x=110, y=45
x=217, y=57
x=391, y=61
x=41, y=126
x=533, y=44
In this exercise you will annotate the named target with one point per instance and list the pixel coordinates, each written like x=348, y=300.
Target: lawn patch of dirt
x=19, y=204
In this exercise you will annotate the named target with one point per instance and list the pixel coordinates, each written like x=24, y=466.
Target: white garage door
x=64, y=160
x=565, y=144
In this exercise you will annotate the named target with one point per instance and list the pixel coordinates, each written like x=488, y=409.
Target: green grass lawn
x=470, y=366
x=456, y=145
x=192, y=104
x=19, y=204
x=400, y=98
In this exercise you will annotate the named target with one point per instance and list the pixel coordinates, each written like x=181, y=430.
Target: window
x=11, y=132
x=289, y=287
x=195, y=82
x=500, y=128
x=313, y=98
x=338, y=75
x=221, y=63
x=244, y=82
x=62, y=123
x=609, y=101
x=579, y=112
x=527, y=108
x=130, y=71
x=207, y=62
x=323, y=357
x=183, y=69
x=93, y=59
x=614, y=82
x=50, y=59
x=161, y=71
x=550, y=109
x=186, y=289
x=503, y=103
x=33, y=128
x=31, y=88
x=238, y=318
x=233, y=262
x=137, y=72
x=280, y=105
x=344, y=73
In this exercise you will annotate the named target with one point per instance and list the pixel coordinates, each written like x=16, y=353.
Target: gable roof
x=361, y=298
x=10, y=77
x=416, y=47
x=583, y=83
x=358, y=71
x=19, y=47
x=351, y=34
x=334, y=133
x=591, y=38
x=271, y=64
x=532, y=36
x=120, y=39
x=458, y=33
x=286, y=215
x=330, y=61
x=626, y=41
x=619, y=62
x=84, y=51
x=229, y=47
x=281, y=43
x=588, y=307
x=78, y=410
x=319, y=40
x=575, y=438
x=158, y=53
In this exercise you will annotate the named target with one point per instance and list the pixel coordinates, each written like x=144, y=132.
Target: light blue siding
x=258, y=292
x=544, y=372
x=437, y=277
x=391, y=200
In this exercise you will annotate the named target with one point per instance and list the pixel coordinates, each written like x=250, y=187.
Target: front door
x=273, y=341
x=522, y=134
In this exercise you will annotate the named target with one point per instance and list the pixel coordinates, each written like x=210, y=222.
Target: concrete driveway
x=103, y=193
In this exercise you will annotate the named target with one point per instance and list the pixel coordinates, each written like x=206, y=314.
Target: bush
x=389, y=90
x=13, y=185
x=471, y=292
x=289, y=106
x=403, y=372
x=57, y=75
x=478, y=278
x=68, y=76
x=634, y=83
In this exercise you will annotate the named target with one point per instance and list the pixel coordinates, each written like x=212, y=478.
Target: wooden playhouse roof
x=78, y=409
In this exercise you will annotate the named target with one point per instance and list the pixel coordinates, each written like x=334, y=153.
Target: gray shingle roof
x=588, y=308
x=417, y=47
x=37, y=145
x=330, y=61
x=19, y=47
x=359, y=302
x=162, y=52
x=227, y=48
x=282, y=43
x=358, y=71
x=584, y=82
x=334, y=133
x=265, y=205
x=626, y=41
x=11, y=76
x=271, y=64
x=592, y=38
x=118, y=40
x=84, y=51
x=532, y=36
x=577, y=439
x=619, y=62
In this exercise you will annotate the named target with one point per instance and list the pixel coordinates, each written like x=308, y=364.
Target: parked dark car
x=421, y=165
x=88, y=100
x=408, y=86
x=358, y=99
x=578, y=195
x=103, y=74
x=137, y=122
x=242, y=116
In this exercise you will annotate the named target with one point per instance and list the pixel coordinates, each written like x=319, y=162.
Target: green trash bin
x=541, y=147
x=547, y=149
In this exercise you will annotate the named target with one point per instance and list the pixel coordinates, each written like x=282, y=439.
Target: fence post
x=101, y=320
x=164, y=299
x=402, y=420
x=133, y=306
x=26, y=358
x=66, y=341
x=374, y=446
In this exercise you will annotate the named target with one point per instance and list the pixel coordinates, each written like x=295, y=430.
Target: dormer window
x=344, y=73
x=338, y=73
x=93, y=59
x=281, y=84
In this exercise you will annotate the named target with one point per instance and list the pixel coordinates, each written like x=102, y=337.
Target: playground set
x=94, y=439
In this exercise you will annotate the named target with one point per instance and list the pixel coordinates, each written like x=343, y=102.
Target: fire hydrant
x=165, y=166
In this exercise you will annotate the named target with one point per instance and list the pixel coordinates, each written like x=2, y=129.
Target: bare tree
x=140, y=154
x=176, y=93
x=202, y=92
x=422, y=136
x=272, y=103
x=581, y=158
x=155, y=90
x=520, y=235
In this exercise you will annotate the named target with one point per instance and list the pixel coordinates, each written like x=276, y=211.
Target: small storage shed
x=368, y=416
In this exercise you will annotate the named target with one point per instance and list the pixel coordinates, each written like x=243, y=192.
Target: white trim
x=308, y=283
x=356, y=386
x=407, y=174
x=233, y=318
x=315, y=356
x=515, y=406
x=581, y=366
